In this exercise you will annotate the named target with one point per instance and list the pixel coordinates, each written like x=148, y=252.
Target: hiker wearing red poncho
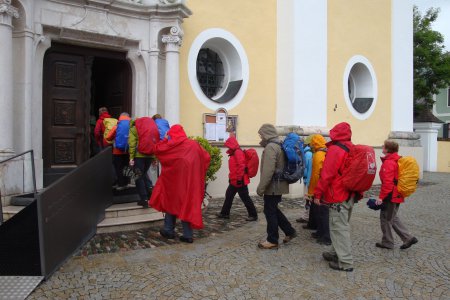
x=180, y=188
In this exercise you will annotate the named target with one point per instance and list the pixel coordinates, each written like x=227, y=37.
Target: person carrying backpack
x=100, y=128
x=141, y=160
x=238, y=181
x=331, y=191
x=319, y=214
x=119, y=136
x=306, y=179
x=391, y=198
x=180, y=188
x=273, y=161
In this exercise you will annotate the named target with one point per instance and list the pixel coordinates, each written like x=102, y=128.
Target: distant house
x=441, y=109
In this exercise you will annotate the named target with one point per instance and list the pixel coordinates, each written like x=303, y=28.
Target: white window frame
x=240, y=66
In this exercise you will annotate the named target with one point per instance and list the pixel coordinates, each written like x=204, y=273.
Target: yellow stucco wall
x=360, y=27
x=254, y=24
x=443, y=161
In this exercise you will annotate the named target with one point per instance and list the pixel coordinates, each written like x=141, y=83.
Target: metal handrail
x=32, y=165
x=32, y=173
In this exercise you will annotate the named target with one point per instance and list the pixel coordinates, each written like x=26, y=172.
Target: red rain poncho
x=180, y=188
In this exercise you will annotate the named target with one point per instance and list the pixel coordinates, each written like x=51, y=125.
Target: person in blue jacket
x=306, y=178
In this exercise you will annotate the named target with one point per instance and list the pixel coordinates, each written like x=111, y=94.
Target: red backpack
x=359, y=168
x=148, y=135
x=251, y=162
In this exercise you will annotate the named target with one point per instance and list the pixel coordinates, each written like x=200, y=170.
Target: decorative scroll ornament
x=175, y=36
x=7, y=8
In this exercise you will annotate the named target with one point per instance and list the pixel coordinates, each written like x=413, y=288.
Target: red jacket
x=180, y=188
x=389, y=174
x=330, y=188
x=100, y=129
x=236, y=163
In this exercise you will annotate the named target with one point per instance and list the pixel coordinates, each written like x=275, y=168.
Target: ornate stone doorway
x=76, y=82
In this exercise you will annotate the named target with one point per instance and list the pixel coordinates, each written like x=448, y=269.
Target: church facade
x=301, y=65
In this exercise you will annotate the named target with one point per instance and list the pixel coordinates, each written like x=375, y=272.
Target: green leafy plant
x=431, y=60
x=216, y=157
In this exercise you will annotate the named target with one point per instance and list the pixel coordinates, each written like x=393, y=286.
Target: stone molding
x=405, y=138
x=302, y=130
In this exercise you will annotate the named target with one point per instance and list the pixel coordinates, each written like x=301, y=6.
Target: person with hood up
x=120, y=153
x=319, y=213
x=100, y=128
x=331, y=191
x=238, y=181
x=392, y=199
x=180, y=188
x=273, y=161
x=306, y=179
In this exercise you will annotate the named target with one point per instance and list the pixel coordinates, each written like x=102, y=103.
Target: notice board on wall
x=219, y=126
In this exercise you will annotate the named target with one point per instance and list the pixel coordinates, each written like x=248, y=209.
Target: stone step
x=117, y=215
x=10, y=211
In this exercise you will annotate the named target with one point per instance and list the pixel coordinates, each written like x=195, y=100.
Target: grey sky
x=443, y=22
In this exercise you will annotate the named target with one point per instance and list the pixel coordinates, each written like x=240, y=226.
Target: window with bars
x=210, y=73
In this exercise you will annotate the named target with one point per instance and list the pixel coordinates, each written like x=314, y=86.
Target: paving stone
x=224, y=262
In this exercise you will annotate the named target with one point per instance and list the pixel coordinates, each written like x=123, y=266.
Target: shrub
x=216, y=157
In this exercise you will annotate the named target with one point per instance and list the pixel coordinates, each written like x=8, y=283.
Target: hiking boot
x=267, y=245
x=409, y=243
x=288, y=238
x=324, y=241
x=315, y=235
x=143, y=203
x=186, y=240
x=328, y=256
x=222, y=216
x=167, y=235
x=301, y=220
x=251, y=219
x=335, y=266
x=380, y=245
x=308, y=227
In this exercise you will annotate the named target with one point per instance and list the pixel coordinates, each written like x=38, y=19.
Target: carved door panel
x=65, y=112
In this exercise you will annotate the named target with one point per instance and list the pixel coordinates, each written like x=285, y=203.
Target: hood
x=104, y=116
x=268, y=132
x=317, y=142
x=232, y=143
x=341, y=132
x=307, y=139
x=391, y=156
x=124, y=118
x=176, y=132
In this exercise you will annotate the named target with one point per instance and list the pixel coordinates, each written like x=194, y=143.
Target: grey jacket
x=272, y=160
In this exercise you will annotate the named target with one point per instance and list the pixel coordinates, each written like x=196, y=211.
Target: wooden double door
x=76, y=82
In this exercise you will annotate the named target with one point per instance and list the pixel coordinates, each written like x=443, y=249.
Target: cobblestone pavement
x=224, y=262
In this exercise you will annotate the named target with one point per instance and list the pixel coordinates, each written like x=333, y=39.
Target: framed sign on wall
x=219, y=126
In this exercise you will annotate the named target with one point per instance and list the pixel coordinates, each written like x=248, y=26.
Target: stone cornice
x=143, y=9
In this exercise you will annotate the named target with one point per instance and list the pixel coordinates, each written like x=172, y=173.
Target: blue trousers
x=169, y=226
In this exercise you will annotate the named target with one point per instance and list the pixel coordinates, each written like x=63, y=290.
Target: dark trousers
x=275, y=218
x=313, y=216
x=245, y=197
x=323, y=222
x=143, y=183
x=169, y=226
x=120, y=161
